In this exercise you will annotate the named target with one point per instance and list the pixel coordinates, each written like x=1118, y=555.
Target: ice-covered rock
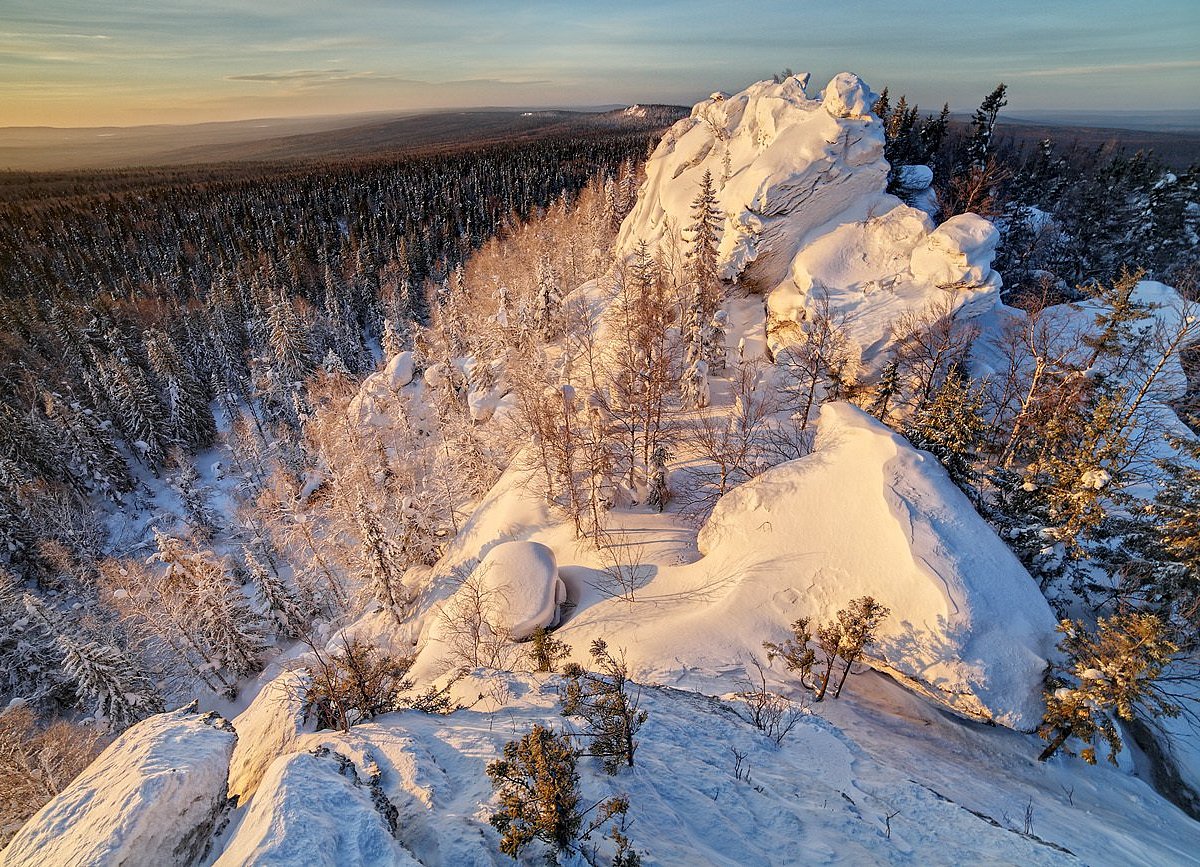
x=267, y=729
x=152, y=798
x=867, y=514
x=847, y=95
x=314, y=810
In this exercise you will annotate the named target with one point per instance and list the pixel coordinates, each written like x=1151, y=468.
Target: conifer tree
x=1116, y=670
x=385, y=568
x=546, y=651
x=660, y=493
x=887, y=391
x=108, y=682
x=538, y=785
x=291, y=616
x=951, y=426
x=194, y=496
x=604, y=700
x=702, y=255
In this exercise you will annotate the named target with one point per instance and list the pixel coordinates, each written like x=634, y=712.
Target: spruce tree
x=291, y=616
x=702, y=254
x=108, y=682
x=385, y=567
x=951, y=426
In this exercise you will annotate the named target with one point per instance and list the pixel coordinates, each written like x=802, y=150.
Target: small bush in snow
x=604, y=700
x=771, y=714
x=538, y=786
x=355, y=684
x=845, y=638
x=546, y=651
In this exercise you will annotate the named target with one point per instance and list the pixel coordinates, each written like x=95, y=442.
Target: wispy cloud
x=1108, y=68
x=314, y=77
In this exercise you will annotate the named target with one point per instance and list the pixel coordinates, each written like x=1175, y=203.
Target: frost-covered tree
x=289, y=613
x=194, y=495
x=107, y=682
x=383, y=561
x=659, y=493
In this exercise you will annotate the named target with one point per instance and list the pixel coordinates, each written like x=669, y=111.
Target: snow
x=524, y=578
x=151, y=798
x=868, y=515
x=268, y=728
x=848, y=96
x=308, y=811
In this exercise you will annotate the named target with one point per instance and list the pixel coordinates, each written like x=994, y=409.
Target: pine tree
x=291, y=616
x=538, y=786
x=951, y=426
x=603, y=699
x=194, y=496
x=702, y=255
x=887, y=391
x=108, y=682
x=660, y=493
x=385, y=567
x=715, y=350
x=1114, y=670
x=188, y=420
x=983, y=125
x=546, y=651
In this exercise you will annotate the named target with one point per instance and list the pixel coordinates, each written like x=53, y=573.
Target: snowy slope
x=955, y=791
x=152, y=798
x=313, y=810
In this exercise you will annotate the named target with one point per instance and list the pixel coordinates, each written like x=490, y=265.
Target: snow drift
x=866, y=514
x=152, y=798
x=802, y=185
x=521, y=579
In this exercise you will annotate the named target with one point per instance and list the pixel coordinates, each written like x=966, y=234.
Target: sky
x=127, y=62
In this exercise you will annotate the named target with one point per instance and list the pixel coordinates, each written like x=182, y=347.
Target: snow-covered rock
x=267, y=729
x=376, y=403
x=802, y=186
x=522, y=579
x=152, y=798
x=866, y=514
x=314, y=810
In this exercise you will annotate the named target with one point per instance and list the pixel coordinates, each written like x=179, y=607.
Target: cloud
x=317, y=77
x=1100, y=69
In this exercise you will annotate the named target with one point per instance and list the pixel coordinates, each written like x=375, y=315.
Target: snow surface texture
x=313, y=810
x=955, y=791
x=802, y=186
x=268, y=728
x=866, y=514
x=152, y=798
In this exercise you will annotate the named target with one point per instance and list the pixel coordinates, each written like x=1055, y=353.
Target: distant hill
x=291, y=139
